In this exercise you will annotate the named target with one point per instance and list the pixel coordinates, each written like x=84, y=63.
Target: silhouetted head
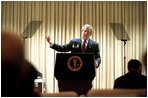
x=12, y=48
x=17, y=74
x=135, y=65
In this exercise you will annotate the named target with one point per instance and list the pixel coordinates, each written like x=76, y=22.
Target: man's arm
x=60, y=48
x=97, y=56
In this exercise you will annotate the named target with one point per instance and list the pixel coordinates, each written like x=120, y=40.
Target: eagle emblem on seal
x=74, y=63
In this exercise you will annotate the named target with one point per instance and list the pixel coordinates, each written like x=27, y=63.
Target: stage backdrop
x=62, y=20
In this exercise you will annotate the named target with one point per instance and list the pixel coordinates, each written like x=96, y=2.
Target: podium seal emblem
x=74, y=63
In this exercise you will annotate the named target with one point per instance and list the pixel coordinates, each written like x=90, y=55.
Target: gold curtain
x=62, y=20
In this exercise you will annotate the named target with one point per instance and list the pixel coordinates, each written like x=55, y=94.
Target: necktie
x=83, y=46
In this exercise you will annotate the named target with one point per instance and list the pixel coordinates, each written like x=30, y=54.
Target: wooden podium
x=75, y=71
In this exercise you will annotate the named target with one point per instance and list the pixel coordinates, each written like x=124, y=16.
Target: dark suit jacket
x=75, y=47
x=131, y=80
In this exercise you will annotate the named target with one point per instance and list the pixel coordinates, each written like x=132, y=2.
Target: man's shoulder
x=122, y=77
x=93, y=42
x=76, y=39
x=143, y=76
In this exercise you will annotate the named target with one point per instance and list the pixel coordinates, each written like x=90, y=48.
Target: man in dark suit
x=79, y=45
x=133, y=79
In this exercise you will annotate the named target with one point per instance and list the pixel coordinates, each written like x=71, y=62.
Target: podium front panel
x=70, y=66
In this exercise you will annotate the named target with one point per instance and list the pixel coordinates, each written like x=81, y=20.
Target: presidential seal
x=74, y=63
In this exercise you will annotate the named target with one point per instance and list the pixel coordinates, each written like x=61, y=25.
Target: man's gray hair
x=88, y=26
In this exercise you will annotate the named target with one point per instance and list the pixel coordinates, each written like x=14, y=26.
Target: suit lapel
x=80, y=44
x=88, y=45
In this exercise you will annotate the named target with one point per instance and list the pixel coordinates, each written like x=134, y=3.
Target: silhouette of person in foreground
x=17, y=74
x=133, y=79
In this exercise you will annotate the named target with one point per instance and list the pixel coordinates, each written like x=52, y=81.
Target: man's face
x=86, y=32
